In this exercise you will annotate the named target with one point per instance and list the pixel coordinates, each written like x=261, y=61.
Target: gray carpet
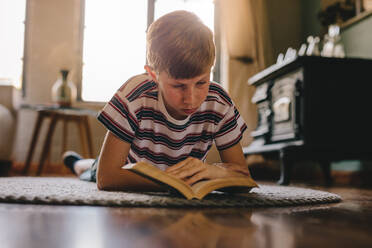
x=71, y=191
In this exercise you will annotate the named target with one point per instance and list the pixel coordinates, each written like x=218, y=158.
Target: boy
x=170, y=116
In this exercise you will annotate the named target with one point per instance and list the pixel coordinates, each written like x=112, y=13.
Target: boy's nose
x=188, y=96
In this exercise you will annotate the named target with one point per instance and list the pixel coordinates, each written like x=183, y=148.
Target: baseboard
x=48, y=169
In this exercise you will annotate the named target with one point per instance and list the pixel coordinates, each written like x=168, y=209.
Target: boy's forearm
x=123, y=180
x=235, y=168
x=110, y=175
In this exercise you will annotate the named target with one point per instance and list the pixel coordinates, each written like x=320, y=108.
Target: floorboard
x=344, y=224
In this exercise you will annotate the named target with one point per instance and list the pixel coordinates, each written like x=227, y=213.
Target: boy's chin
x=188, y=112
x=180, y=116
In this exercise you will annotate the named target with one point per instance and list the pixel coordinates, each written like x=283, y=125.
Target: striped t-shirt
x=136, y=114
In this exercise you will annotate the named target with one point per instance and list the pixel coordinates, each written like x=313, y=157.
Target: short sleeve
x=118, y=117
x=230, y=129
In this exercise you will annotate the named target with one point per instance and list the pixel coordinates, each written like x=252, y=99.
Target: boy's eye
x=201, y=82
x=178, y=86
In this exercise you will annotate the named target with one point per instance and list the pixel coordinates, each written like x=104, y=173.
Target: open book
x=199, y=189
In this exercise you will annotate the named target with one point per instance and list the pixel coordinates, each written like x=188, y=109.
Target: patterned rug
x=71, y=191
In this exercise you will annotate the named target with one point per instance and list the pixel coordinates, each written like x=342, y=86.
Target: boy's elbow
x=100, y=185
x=105, y=185
x=108, y=180
x=102, y=182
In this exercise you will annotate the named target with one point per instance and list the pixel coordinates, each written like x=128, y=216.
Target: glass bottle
x=64, y=91
x=333, y=46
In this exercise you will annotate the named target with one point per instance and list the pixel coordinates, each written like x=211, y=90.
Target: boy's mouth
x=189, y=111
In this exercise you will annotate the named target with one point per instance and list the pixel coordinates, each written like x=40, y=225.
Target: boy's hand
x=192, y=170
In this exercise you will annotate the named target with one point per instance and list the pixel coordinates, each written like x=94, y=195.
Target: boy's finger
x=183, y=170
x=187, y=172
x=178, y=165
x=186, y=166
x=195, y=178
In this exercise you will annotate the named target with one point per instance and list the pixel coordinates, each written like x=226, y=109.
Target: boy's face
x=182, y=97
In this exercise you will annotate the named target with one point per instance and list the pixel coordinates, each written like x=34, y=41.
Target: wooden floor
x=345, y=224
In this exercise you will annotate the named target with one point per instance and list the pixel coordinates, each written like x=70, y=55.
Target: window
x=202, y=8
x=12, y=17
x=114, y=46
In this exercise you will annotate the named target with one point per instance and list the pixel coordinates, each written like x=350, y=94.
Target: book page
x=197, y=190
x=155, y=174
x=202, y=188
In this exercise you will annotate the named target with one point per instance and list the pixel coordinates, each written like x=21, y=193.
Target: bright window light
x=114, y=46
x=204, y=9
x=12, y=17
x=115, y=40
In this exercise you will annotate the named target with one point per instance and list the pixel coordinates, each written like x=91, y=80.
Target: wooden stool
x=78, y=115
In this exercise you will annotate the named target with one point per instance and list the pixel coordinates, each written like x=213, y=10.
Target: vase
x=64, y=91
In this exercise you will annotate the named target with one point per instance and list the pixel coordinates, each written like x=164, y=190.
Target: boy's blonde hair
x=179, y=44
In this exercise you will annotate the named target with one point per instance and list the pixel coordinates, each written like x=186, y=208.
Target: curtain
x=247, y=48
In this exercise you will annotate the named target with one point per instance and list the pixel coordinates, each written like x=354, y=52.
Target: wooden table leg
x=89, y=136
x=47, y=143
x=35, y=135
x=64, y=135
x=83, y=138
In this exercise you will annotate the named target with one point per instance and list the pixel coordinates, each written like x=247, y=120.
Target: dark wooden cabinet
x=313, y=108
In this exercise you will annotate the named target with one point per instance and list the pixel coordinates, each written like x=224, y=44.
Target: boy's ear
x=151, y=72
